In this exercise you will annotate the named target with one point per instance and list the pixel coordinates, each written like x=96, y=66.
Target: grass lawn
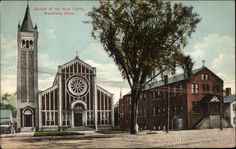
x=54, y=133
x=110, y=131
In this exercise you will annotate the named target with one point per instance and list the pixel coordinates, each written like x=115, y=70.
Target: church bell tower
x=27, y=74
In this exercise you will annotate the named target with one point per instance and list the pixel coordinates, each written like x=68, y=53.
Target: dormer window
x=194, y=88
x=205, y=77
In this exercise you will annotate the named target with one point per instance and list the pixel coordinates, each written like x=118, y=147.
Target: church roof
x=77, y=59
x=27, y=24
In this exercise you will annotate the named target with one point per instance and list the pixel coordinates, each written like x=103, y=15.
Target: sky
x=60, y=36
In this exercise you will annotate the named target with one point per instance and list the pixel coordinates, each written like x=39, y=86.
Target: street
x=210, y=138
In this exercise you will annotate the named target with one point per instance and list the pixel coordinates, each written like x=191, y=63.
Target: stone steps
x=212, y=122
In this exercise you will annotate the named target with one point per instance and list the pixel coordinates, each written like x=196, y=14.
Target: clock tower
x=27, y=74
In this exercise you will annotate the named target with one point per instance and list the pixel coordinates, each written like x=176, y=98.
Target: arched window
x=23, y=44
x=27, y=44
x=79, y=107
x=31, y=44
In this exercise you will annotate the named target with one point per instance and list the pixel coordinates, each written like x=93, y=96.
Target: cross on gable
x=203, y=62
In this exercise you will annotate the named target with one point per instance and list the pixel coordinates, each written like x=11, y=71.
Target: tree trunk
x=133, y=123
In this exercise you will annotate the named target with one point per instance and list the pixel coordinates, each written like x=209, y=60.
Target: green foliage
x=9, y=102
x=8, y=98
x=144, y=37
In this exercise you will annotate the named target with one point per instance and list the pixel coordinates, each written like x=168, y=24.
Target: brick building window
x=205, y=77
x=161, y=93
x=194, y=88
x=144, y=112
x=157, y=94
x=174, y=91
x=153, y=95
x=153, y=111
x=144, y=96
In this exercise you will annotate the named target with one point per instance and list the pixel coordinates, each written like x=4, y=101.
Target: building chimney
x=227, y=91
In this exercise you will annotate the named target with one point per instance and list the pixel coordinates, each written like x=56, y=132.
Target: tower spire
x=27, y=24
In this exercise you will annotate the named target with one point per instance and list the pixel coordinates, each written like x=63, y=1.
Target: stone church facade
x=73, y=101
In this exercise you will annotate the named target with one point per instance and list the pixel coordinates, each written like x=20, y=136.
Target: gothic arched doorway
x=28, y=119
x=79, y=114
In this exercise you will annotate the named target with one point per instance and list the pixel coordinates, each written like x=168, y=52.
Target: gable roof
x=229, y=99
x=77, y=59
x=173, y=79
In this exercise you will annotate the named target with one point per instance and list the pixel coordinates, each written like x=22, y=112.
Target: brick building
x=195, y=102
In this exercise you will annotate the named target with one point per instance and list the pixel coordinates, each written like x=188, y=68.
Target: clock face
x=77, y=86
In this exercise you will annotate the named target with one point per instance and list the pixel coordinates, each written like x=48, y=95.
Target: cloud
x=47, y=71
x=219, y=54
x=46, y=64
x=95, y=52
x=45, y=81
x=8, y=49
x=50, y=33
x=108, y=71
x=8, y=65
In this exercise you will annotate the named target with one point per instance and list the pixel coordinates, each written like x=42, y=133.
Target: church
x=74, y=101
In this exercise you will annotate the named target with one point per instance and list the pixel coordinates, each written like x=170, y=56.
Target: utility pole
x=168, y=104
x=168, y=110
x=221, y=111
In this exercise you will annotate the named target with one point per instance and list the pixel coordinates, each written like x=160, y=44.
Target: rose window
x=77, y=86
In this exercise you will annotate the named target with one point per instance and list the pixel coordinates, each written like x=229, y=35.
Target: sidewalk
x=21, y=134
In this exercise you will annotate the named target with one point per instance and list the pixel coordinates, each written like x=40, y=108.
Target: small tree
x=6, y=104
x=5, y=98
x=144, y=38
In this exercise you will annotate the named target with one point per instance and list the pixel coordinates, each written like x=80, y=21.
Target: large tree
x=144, y=38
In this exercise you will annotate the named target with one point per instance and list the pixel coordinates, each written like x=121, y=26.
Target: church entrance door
x=78, y=119
x=78, y=114
x=28, y=120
